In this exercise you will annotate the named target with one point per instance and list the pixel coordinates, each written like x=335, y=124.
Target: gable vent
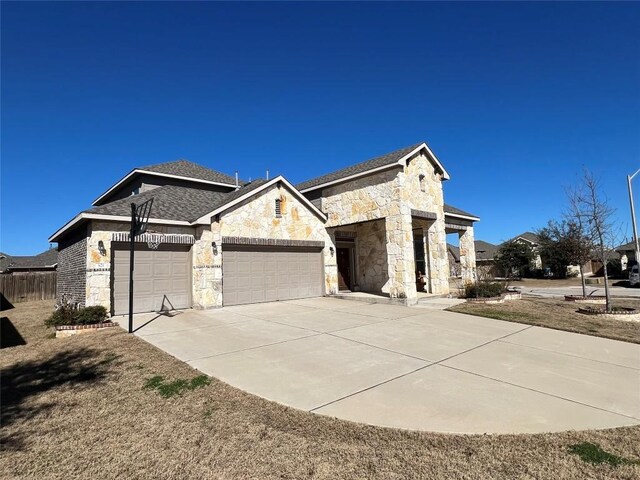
x=278, y=208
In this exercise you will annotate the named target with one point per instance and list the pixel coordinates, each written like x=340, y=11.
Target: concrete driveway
x=410, y=368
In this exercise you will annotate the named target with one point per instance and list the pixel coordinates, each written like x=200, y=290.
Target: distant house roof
x=180, y=169
x=485, y=251
x=456, y=211
x=528, y=236
x=371, y=165
x=45, y=260
x=627, y=247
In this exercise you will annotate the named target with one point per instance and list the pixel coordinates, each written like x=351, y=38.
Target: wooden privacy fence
x=27, y=287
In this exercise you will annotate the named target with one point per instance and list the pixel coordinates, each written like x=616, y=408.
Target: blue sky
x=514, y=98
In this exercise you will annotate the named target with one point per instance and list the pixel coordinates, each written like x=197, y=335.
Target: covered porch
x=400, y=256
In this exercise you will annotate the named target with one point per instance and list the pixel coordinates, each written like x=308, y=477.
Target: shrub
x=91, y=315
x=483, y=290
x=67, y=314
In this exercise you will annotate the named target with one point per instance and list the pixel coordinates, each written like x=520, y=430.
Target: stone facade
x=99, y=257
x=207, y=268
x=256, y=218
x=372, y=271
x=468, y=256
x=390, y=196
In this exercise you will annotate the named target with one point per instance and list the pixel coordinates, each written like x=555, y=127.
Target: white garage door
x=252, y=274
x=162, y=279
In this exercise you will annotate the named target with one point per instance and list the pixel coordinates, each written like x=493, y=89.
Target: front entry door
x=344, y=268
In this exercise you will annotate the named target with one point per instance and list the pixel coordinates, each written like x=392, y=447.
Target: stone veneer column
x=330, y=265
x=427, y=260
x=98, y=270
x=207, y=268
x=438, y=258
x=400, y=258
x=467, y=256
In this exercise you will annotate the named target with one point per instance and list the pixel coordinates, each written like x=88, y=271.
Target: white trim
x=158, y=174
x=206, y=219
x=113, y=218
x=401, y=162
x=464, y=217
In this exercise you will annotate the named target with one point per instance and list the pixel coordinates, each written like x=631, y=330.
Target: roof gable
x=388, y=160
x=254, y=188
x=179, y=169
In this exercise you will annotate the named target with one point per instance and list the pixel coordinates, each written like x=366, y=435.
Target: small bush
x=68, y=315
x=91, y=315
x=483, y=290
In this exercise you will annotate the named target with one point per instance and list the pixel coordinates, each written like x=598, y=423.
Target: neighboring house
x=485, y=258
x=374, y=226
x=46, y=261
x=532, y=240
x=627, y=254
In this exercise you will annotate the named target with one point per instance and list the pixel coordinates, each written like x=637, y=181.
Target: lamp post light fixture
x=633, y=217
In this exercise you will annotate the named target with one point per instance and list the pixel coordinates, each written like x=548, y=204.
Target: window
x=278, y=208
x=423, y=183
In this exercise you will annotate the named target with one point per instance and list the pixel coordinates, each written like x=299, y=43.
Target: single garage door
x=252, y=274
x=161, y=278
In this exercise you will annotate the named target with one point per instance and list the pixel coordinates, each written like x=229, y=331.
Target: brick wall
x=72, y=266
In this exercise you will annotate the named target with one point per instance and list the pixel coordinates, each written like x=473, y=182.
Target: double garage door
x=252, y=274
x=162, y=278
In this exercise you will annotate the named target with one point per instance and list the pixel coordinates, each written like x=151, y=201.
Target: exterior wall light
x=101, y=249
x=331, y=250
x=215, y=248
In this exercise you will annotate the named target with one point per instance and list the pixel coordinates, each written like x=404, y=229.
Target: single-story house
x=485, y=258
x=377, y=226
x=46, y=261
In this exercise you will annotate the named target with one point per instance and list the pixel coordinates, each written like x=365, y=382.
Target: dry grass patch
x=558, y=314
x=77, y=408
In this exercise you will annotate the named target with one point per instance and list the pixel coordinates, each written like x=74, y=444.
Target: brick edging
x=86, y=327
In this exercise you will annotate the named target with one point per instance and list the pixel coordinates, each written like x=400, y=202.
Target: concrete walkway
x=413, y=368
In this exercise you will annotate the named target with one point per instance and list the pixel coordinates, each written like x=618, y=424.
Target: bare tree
x=591, y=212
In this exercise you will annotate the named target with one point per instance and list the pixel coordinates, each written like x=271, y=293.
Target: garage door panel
x=161, y=279
x=266, y=274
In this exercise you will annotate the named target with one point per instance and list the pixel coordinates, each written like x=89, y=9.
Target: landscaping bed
x=110, y=405
x=560, y=315
x=597, y=299
x=617, y=313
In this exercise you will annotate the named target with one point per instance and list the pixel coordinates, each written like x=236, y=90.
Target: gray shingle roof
x=45, y=259
x=457, y=211
x=172, y=202
x=530, y=236
x=485, y=251
x=387, y=159
x=627, y=247
x=185, y=168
